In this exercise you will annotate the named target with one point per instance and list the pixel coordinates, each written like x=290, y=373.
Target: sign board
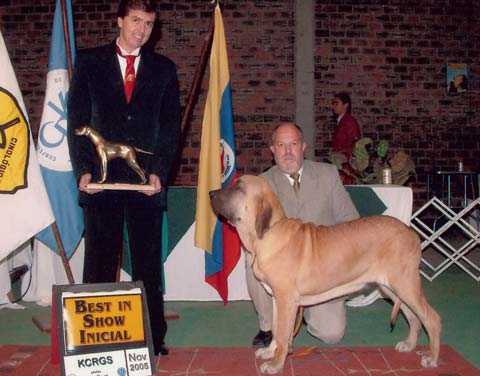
x=104, y=329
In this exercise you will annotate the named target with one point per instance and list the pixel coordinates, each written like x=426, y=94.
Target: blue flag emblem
x=52, y=148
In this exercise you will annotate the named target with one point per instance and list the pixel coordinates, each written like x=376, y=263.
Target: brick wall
x=260, y=47
x=391, y=57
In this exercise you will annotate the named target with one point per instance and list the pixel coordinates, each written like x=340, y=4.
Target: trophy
x=107, y=151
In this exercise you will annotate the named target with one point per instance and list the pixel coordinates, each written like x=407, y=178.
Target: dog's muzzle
x=220, y=204
x=214, y=200
x=79, y=131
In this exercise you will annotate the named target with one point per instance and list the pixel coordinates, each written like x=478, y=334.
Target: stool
x=467, y=189
x=455, y=188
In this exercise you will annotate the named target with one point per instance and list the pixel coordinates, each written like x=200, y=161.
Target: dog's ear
x=263, y=217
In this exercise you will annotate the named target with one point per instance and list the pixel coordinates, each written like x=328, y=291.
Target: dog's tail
x=142, y=151
x=393, y=317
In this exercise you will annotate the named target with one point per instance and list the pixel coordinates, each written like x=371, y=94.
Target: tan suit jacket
x=322, y=198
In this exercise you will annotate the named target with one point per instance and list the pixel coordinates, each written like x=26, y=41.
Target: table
x=184, y=268
x=398, y=200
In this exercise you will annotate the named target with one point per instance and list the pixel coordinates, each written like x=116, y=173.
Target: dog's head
x=250, y=205
x=82, y=131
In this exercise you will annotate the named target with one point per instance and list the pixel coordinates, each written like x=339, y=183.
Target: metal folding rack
x=465, y=254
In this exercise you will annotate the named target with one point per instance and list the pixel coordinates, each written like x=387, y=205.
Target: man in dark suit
x=134, y=101
x=313, y=192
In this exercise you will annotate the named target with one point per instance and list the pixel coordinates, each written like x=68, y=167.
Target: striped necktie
x=296, y=182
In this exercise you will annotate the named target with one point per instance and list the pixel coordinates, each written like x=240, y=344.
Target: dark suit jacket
x=322, y=198
x=151, y=121
x=345, y=135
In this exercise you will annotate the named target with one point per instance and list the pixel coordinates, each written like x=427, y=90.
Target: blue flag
x=52, y=148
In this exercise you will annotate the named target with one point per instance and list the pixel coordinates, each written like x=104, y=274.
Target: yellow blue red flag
x=217, y=168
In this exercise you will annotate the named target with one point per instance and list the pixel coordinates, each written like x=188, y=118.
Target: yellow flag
x=14, y=144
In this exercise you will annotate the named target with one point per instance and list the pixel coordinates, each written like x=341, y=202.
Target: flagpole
x=63, y=254
x=56, y=232
x=199, y=73
x=191, y=100
x=66, y=36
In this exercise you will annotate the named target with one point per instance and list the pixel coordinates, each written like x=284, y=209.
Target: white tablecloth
x=398, y=200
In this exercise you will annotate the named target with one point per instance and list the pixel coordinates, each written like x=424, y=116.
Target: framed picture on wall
x=457, y=78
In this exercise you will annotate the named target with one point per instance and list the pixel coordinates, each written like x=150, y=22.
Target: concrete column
x=305, y=71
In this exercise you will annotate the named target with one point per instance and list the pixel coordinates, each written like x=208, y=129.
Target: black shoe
x=162, y=350
x=262, y=339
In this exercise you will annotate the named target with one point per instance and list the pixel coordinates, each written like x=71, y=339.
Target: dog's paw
x=271, y=367
x=428, y=362
x=404, y=346
x=260, y=353
x=264, y=353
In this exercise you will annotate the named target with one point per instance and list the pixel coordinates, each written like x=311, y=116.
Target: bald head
x=288, y=147
x=282, y=126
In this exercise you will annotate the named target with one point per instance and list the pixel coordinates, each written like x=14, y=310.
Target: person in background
x=313, y=192
x=129, y=95
x=346, y=134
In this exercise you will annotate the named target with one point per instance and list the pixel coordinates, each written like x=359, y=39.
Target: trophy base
x=121, y=186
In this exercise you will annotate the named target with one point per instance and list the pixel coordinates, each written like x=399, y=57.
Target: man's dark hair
x=149, y=6
x=345, y=98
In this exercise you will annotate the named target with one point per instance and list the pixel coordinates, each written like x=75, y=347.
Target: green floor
x=454, y=295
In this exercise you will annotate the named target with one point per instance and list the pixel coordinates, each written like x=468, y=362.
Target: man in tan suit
x=312, y=192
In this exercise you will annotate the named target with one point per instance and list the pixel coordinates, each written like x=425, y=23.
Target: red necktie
x=129, y=82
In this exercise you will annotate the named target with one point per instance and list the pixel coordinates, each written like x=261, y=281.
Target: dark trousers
x=103, y=244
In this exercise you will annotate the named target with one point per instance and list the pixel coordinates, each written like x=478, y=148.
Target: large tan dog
x=304, y=264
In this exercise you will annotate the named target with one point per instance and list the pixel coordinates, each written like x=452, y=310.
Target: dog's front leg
x=103, y=166
x=283, y=324
x=269, y=351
